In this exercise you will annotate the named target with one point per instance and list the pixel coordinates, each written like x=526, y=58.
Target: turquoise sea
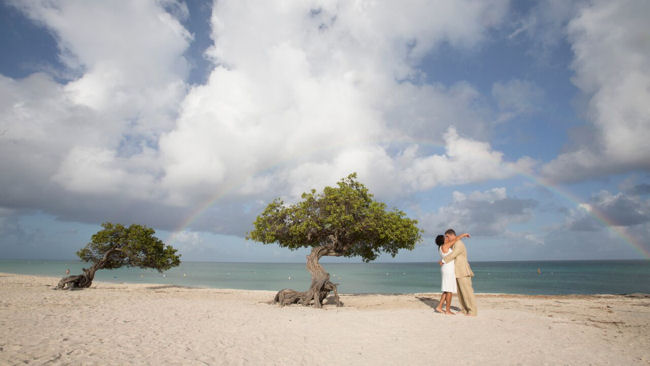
x=554, y=277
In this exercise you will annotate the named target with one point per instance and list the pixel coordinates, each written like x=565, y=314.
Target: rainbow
x=198, y=211
x=597, y=214
x=592, y=211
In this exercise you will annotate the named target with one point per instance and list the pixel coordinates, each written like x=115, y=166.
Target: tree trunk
x=85, y=279
x=78, y=281
x=320, y=283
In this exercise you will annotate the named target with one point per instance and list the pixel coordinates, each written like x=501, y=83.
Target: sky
x=524, y=123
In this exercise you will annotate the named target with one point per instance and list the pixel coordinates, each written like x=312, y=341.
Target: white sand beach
x=156, y=324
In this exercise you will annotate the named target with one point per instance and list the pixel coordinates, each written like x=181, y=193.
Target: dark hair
x=450, y=231
x=440, y=240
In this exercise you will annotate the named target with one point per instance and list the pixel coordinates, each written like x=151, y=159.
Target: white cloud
x=128, y=55
x=301, y=95
x=313, y=92
x=612, y=59
x=340, y=36
x=465, y=161
x=95, y=134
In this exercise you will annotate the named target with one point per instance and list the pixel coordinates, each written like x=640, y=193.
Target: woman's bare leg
x=442, y=302
x=449, y=296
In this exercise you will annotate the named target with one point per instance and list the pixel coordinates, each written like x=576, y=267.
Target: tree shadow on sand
x=433, y=303
x=330, y=300
x=163, y=287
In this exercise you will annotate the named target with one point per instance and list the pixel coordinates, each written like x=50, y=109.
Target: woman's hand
x=464, y=235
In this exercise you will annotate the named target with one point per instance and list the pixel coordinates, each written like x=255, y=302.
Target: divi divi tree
x=116, y=246
x=341, y=221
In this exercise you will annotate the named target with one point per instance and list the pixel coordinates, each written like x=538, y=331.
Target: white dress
x=448, y=272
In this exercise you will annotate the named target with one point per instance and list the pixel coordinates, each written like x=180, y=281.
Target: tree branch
x=104, y=259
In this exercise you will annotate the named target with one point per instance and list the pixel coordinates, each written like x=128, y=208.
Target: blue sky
x=525, y=123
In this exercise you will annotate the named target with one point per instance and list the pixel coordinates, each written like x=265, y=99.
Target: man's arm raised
x=459, y=249
x=446, y=246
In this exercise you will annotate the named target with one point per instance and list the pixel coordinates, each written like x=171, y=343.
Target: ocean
x=529, y=277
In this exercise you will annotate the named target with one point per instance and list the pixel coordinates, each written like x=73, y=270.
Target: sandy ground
x=157, y=324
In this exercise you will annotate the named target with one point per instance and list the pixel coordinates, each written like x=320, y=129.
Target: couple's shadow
x=433, y=303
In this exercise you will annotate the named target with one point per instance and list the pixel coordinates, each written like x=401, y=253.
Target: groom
x=464, y=274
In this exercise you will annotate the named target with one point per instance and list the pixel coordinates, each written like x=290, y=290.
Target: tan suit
x=464, y=276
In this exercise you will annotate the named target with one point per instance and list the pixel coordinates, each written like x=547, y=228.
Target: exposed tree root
x=320, y=287
x=77, y=281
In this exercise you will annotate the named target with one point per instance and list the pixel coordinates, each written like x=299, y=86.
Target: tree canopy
x=345, y=219
x=116, y=246
x=134, y=246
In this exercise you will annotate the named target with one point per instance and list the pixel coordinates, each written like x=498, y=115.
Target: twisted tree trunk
x=320, y=283
x=78, y=281
x=85, y=279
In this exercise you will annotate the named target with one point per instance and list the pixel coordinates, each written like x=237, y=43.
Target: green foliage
x=134, y=246
x=345, y=218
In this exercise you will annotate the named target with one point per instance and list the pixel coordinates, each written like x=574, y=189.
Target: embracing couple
x=456, y=273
